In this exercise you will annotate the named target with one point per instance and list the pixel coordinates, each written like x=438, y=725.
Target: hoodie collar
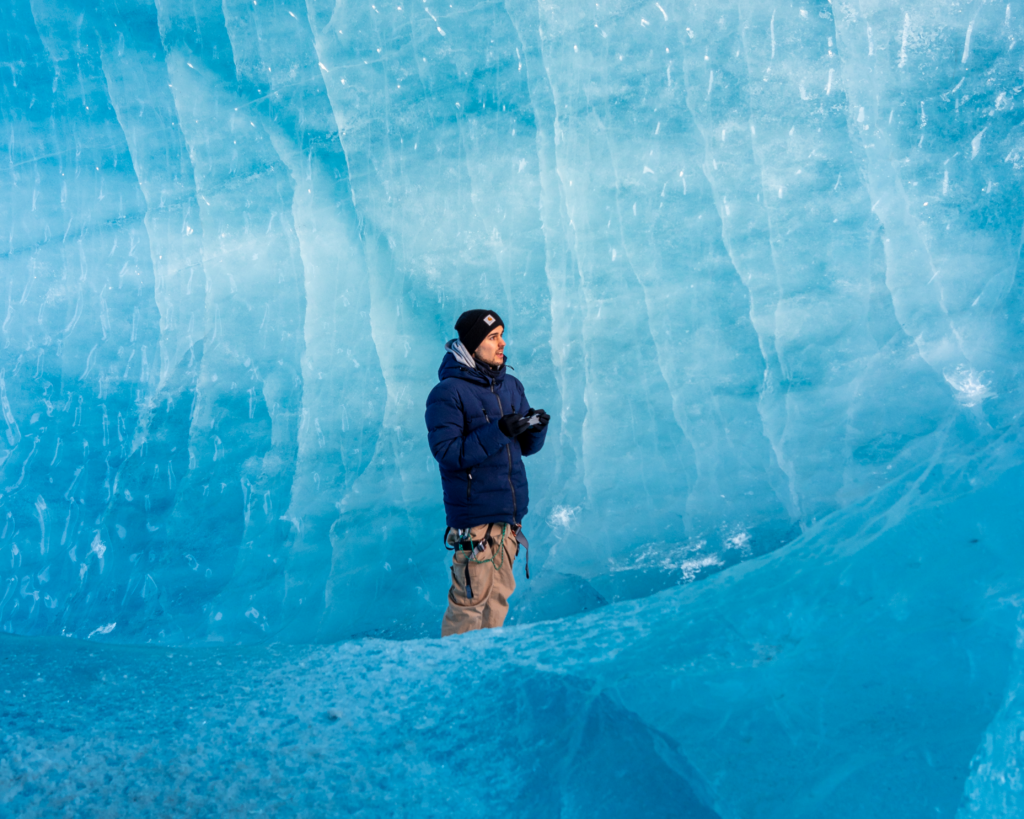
x=462, y=355
x=458, y=363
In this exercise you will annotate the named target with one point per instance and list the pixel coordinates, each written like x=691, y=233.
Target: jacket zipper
x=508, y=450
x=469, y=474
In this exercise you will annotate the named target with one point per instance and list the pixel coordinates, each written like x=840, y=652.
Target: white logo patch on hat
x=489, y=320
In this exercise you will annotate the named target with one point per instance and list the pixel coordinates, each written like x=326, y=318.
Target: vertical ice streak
x=903, y=41
x=340, y=369
x=13, y=433
x=569, y=483
x=162, y=165
x=254, y=310
x=611, y=296
x=936, y=294
x=795, y=159
x=75, y=253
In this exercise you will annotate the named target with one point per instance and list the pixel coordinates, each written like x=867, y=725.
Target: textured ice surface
x=759, y=262
x=867, y=669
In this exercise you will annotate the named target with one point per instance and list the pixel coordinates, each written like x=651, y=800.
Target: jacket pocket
x=469, y=484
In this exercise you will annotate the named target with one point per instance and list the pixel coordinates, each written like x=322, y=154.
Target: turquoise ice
x=757, y=260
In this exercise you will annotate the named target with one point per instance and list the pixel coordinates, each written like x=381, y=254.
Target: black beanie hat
x=474, y=326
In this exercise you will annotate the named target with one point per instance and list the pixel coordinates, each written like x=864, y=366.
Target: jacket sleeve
x=530, y=442
x=452, y=449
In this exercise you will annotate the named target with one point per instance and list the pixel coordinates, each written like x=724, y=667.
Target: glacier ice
x=869, y=668
x=757, y=260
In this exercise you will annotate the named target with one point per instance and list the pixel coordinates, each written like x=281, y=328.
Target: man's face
x=492, y=349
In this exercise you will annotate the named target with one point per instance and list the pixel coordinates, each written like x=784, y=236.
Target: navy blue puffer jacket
x=481, y=467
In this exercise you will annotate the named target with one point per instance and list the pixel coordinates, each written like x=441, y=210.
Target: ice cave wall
x=757, y=259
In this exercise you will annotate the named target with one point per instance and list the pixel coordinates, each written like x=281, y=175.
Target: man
x=479, y=425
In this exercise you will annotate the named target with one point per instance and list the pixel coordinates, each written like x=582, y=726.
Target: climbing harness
x=463, y=538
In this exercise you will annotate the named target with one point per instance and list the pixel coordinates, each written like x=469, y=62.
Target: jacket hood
x=462, y=355
x=458, y=363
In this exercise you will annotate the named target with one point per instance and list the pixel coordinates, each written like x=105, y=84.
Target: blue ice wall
x=758, y=260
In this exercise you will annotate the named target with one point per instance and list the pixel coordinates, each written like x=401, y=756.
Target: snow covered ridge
x=757, y=262
x=872, y=667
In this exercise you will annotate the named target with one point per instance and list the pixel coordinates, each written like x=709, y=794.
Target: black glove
x=538, y=419
x=513, y=424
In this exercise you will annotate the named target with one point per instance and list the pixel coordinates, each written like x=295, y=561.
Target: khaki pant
x=490, y=576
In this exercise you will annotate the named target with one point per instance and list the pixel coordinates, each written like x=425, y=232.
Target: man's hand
x=513, y=424
x=537, y=419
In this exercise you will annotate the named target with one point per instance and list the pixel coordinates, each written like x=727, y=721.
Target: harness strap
x=522, y=541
